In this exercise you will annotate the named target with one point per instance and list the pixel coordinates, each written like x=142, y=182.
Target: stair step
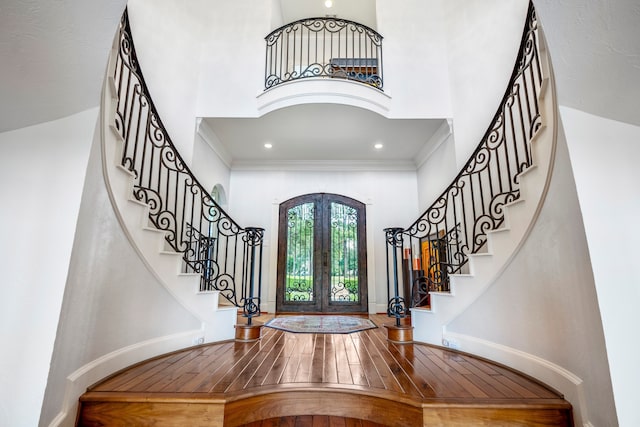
x=148, y=241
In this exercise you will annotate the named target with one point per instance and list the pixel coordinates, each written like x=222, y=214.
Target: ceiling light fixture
x=328, y=3
x=378, y=146
x=267, y=145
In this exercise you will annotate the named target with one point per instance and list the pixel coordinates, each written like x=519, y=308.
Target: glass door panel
x=299, y=273
x=321, y=255
x=344, y=254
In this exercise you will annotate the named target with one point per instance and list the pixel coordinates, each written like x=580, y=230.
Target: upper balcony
x=326, y=48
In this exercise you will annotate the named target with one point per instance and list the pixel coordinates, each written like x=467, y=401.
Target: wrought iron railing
x=227, y=256
x=456, y=224
x=323, y=47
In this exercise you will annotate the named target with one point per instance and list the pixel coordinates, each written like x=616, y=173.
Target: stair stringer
x=504, y=243
x=217, y=323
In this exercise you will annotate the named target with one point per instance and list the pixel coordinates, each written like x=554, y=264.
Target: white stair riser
x=501, y=244
x=218, y=323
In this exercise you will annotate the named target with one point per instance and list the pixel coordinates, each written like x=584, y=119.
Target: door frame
x=322, y=303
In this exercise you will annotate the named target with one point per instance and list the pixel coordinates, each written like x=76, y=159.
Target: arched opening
x=219, y=195
x=322, y=257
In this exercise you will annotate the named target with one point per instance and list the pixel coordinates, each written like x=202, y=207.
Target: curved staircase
x=134, y=211
x=487, y=260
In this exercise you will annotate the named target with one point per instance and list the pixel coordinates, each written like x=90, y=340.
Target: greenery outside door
x=322, y=265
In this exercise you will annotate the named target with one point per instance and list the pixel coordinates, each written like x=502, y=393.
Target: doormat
x=321, y=324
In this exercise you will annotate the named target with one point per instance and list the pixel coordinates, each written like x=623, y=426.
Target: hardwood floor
x=358, y=376
x=313, y=421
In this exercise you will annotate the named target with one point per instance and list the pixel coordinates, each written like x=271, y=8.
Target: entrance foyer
x=322, y=255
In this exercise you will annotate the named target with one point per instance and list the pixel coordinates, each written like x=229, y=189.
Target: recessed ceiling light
x=328, y=3
x=378, y=146
x=267, y=145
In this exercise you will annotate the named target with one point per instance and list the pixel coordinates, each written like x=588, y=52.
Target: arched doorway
x=322, y=257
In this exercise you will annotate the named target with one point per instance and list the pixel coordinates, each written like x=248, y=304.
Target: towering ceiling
x=53, y=54
x=595, y=49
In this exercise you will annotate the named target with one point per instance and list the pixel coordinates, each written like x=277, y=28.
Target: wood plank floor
x=345, y=376
x=313, y=421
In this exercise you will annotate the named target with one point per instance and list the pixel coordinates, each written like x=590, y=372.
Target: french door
x=322, y=259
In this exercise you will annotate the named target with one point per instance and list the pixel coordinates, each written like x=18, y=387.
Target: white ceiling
x=322, y=132
x=595, y=49
x=53, y=54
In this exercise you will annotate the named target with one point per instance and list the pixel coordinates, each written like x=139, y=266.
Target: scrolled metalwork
x=394, y=236
x=323, y=47
x=253, y=236
x=251, y=308
x=227, y=256
x=298, y=291
x=438, y=243
x=397, y=307
x=344, y=291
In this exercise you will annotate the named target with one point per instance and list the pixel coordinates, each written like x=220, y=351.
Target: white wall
x=112, y=303
x=233, y=56
x=436, y=173
x=276, y=14
x=415, y=74
x=208, y=167
x=168, y=40
x=544, y=305
x=42, y=172
x=604, y=157
x=483, y=37
x=414, y=58
x=391, y=199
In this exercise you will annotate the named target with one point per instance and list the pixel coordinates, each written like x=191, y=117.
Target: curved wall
x=545, y=305
x=604, y=158
x=42, y=171
x=112, y=305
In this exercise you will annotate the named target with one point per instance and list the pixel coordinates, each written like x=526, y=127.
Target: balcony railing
x=324, y=47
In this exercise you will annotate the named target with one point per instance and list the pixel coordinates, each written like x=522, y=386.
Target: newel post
x=252, y=284
x=397, y=304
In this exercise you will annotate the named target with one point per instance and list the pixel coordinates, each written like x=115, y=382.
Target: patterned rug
x=321, y=324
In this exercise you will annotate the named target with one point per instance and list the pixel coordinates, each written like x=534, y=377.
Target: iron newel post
x=254, y=237
x=397, y=305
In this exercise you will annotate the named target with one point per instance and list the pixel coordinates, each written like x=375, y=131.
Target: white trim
x=379, y=308
x=209, y=136
x=78, y=381
x=371, y=263
x=564, y=381
x=324, y=165
x=437, y=139
x=272, y=280
x=323, y=90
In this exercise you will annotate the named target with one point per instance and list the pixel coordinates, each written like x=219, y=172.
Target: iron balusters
x=323, y=47
x=227, y=256
x=437, y=244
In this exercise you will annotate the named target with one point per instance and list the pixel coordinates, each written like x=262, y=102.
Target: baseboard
x=268, y=307
x=377, y=308
x=555, y=376
x=78, y=381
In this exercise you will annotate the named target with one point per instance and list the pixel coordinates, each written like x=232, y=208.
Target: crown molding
x=209, y=136
x=324, y=165
x=441, y=135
